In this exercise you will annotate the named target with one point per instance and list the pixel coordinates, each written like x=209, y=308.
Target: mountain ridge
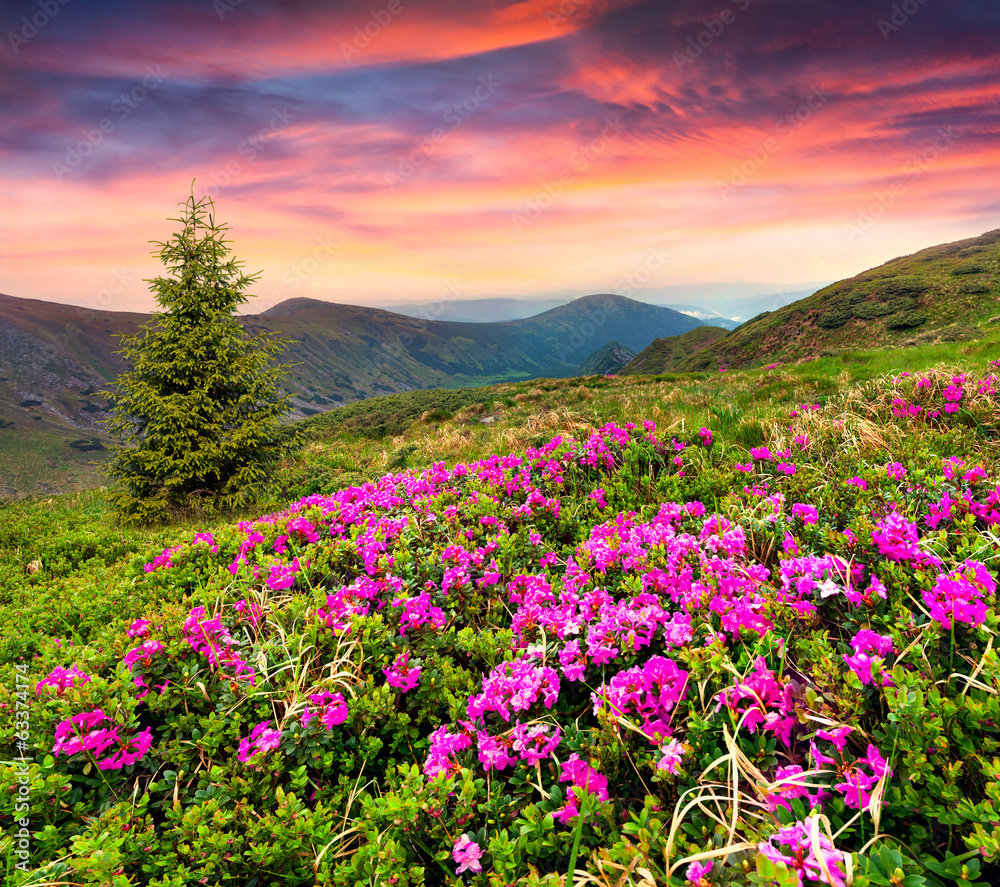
x=56, y=359
x=942, y=291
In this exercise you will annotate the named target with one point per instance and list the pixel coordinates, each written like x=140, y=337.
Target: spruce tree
x=200, y=405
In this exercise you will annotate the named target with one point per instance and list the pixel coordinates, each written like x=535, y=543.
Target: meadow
x=721, y=628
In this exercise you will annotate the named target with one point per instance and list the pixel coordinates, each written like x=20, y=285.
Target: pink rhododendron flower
x=794, y=847
x=206, y=539
x=262, y=739
x=868, y=641
x=857, y=784
x=139, y=628
x=790, y=783
x=535, y=742
x=96, y=733
x=808, y=513
x=129, y=751
x=444, y=746
x=959, y=595
x=573, y=662
x=763, y=700
x=583, y=776
x=401, y=674
x=494, y=752
x=515, y=687
x=143, y=654
x=578, y=772
x=162, y=560
x=61, y=679
x=250, y=610
x=697, y=873
x=897, y=538
x=417, y=611
x=467, y=854
x=837, y=736
x=646, y=693
x=672, y=753
x=330, y=708
x=282, y=576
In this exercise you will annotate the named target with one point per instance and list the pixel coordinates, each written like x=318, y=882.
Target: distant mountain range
x=476, y=310
x=718, y=304
x=56, y=359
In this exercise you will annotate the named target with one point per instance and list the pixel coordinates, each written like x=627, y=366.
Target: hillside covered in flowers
x=640, y=656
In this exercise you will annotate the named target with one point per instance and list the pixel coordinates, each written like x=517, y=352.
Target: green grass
x=67, y=572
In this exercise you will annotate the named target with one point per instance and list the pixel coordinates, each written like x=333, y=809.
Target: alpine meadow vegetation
x=727, y=629
x=199, y=407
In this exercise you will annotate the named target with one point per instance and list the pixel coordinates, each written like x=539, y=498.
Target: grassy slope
x=943, y=292
x=63, y=565
x=666, y=355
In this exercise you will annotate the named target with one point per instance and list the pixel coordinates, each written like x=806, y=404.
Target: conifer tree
x=199, y=408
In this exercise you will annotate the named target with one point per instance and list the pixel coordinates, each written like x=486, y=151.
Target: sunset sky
x=388, y=150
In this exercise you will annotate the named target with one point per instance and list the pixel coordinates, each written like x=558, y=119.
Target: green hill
x=667, y=354
x=606, y=360
x=942, y=293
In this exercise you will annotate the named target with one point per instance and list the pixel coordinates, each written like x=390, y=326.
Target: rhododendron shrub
x=586, y=651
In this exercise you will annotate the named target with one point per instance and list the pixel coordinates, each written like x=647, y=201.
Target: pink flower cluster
x=515, y=687
x=213, y=640
x=646, y=693
x=262, y=739
x=467, y=854
x=61, y=679
x=870, y=649
x=95, y=733
x=581, y=775
x=958, y=595
x=808, y=852
x=762, y=699
x=401, y=674
x=329, y=708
